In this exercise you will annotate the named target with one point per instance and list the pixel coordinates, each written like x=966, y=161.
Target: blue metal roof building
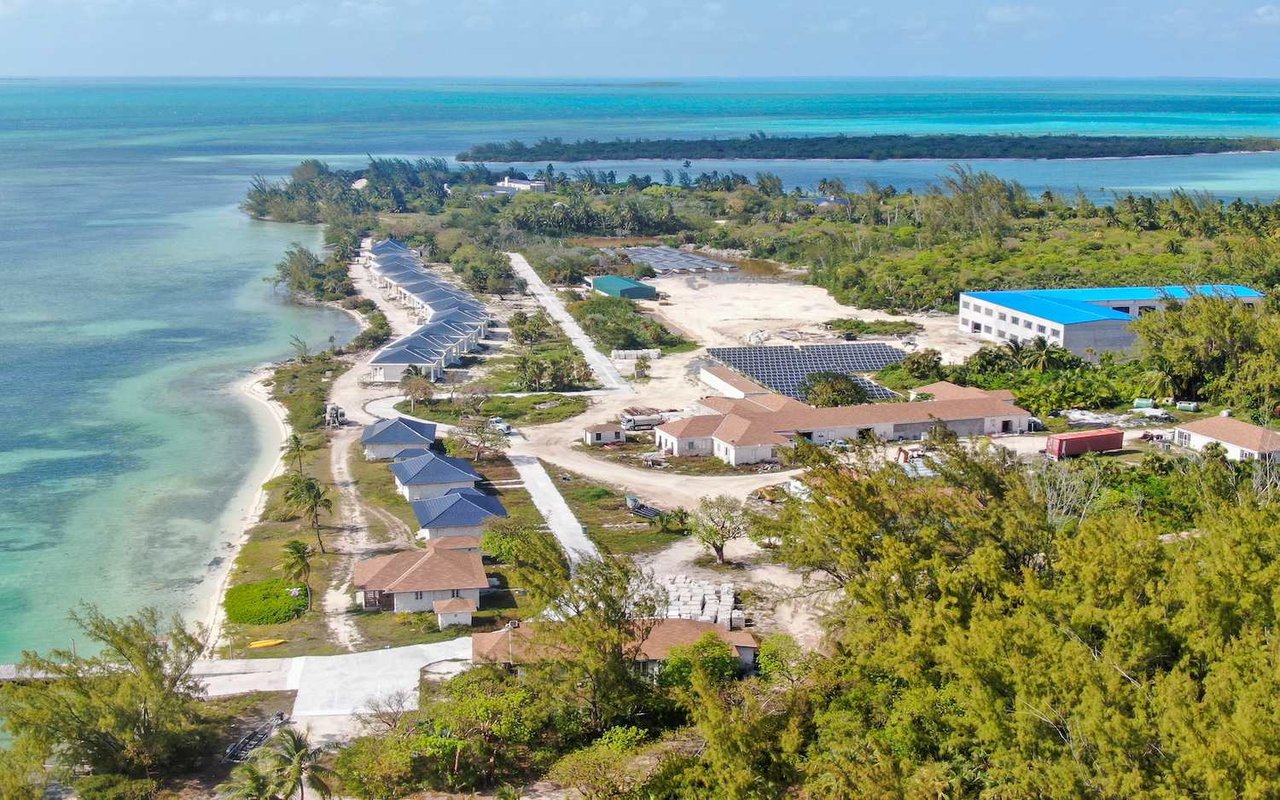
x=457, y=508
x=1085, y=321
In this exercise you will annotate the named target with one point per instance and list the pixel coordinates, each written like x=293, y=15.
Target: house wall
x=392, y=373
x=1197, y=442
x=610, y=437
x=421, y=601
x=1100, y=337
x=382, y=452
x=462, y=618
x=426, y=492
x=458, y=530
x=999, y=323
x=747, y=655
x=745, y=454
x=683, y=447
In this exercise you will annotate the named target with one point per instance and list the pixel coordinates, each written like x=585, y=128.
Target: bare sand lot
x=719, y=310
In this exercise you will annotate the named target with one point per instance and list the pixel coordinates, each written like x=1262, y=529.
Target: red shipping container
x=1065, y=445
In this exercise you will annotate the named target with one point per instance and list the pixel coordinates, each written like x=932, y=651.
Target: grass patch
x=853, y=328
x=616, y=323
x=302, y=387
x=377, y=487
x=536, y=409
x=602, y=510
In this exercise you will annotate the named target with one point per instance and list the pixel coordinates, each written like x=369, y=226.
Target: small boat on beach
x=261, y=643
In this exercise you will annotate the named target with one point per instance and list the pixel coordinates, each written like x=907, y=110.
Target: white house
x=606, y=433
x=1243, y=441
x=388, y=438
x=521, y=185
x=1081, y=320
x=752, y=429
x=433, y=579
x=432, y=475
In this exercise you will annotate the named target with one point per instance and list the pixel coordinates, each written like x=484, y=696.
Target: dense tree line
x=874, y=147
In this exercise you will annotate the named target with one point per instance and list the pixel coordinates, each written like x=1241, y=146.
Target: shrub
x=263, y=603
x=116, y=787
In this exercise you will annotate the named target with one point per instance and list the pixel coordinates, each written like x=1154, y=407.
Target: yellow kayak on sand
x=266, y=643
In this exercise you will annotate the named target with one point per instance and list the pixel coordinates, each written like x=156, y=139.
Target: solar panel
x=783, y=368
x=665, y=260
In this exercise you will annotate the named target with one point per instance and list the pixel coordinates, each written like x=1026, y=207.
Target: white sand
x=246, y=508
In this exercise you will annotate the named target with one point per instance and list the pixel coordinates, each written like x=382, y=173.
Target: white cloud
x=1267, y=15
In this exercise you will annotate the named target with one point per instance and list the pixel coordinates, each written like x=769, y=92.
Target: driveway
x=604, y=369
x=564, y=525
x=338, y=685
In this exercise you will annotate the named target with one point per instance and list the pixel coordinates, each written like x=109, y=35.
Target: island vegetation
x=877, y=147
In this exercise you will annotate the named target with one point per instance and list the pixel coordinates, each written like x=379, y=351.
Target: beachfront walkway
x=604, y=369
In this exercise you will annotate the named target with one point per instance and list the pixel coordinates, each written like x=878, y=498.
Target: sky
x=639, y=38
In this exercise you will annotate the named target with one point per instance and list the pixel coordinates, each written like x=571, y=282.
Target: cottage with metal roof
x=456, y=513
x=432, y=475
x=1083, y=321
x=445, y=581
x=387, y=438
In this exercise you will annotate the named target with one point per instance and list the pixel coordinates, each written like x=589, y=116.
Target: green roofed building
x=618, y=286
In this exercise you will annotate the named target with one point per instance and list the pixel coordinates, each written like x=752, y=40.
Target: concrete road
x=338, y=685
x=604, y=369
x=564, y=525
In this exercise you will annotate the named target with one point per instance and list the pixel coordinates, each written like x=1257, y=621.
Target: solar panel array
x=667, y=260
x=783, y=368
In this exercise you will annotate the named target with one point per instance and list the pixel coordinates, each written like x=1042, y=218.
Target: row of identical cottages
x=453, y=321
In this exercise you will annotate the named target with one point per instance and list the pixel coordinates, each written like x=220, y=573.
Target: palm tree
x=248, y=782
x=1042, y=355
x=296, y=564
x=308, y=497
x=295, y=765
x=294, y=450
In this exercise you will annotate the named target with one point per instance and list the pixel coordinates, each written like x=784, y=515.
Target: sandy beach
x=245, y=510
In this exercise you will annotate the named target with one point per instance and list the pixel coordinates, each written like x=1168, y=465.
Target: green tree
x=294, y=451
x=249, y=781
x=377, y=767
x=308, y=497
x=717, y=521
x=605, y=769
x=295, y=766
x=295, y=563
x=827, y=389
x=710, y=654
x=418, y=389
x=131, y=709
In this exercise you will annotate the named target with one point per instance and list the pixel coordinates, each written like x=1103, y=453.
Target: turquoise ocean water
x=133, y=297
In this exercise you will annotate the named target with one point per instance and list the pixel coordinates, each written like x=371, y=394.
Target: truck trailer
x=1065, y=445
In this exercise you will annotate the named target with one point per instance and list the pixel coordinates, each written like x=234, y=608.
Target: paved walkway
x=338, y=685
x=600, y=363
x=564, y=525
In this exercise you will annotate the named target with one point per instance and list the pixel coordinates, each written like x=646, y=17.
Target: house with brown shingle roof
x=751, y=429
x=517, y=643
x=429, y=579
x=1243, y=441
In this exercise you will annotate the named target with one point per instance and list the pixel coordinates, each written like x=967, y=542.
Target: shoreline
x=245, y=510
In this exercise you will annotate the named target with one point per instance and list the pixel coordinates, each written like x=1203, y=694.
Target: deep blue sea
x=133, y=295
